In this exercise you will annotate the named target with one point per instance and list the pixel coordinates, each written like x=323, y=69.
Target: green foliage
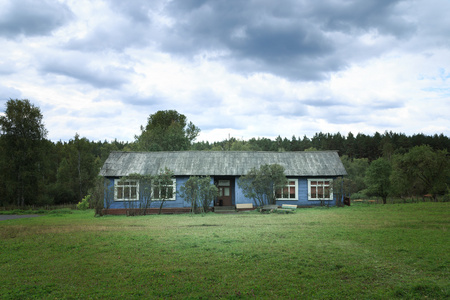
x=84, y=204
x=364, y=146
x=157, y=188
x=102, y=195
x=356, y=169
x=36, y=171
x=22, y=137
x=260, y=184
x=200, y=192
x=377, y=178
x=358, y=195
x=144, y=194
x=426, y=167
x=167, y=131
x=162, y=186
x=77, y=171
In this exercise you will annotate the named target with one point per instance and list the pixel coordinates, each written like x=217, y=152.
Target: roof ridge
x=226, y=163
x=237, y=151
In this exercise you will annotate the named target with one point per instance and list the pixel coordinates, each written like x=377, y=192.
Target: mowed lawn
x=358, y=252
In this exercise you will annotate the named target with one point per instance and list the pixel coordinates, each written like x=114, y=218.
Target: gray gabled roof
x=217, y=163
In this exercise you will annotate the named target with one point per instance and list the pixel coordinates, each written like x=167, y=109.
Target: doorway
x=225, y=192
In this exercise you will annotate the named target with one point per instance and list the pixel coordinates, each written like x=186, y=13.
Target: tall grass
x=357, y=252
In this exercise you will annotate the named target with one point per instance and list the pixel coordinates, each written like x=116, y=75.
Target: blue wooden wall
x=238, y=196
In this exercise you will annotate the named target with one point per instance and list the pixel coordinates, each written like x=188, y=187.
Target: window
x=224, y=188
x=289, y=191
x=320, y=189
x=166, y=192
x=126, y=190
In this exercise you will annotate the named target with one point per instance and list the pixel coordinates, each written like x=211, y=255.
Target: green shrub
x=84, y=204
x=446, y=197
x=359, y=195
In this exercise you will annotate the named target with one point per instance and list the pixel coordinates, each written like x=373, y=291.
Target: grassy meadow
x=358, y=252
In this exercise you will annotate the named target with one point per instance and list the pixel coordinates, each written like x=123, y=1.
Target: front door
x=224, y=197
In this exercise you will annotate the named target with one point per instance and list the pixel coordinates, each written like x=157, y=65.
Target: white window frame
x=130, y=185
x=311, y=198
x=174, y=192
x=295, y=185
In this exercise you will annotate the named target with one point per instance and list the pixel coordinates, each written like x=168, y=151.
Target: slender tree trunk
x=160, y=207
x=79, y=174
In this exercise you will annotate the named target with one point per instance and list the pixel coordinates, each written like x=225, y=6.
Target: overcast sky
x=241, y=68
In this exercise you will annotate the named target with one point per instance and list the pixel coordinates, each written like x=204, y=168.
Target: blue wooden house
x=310, y=175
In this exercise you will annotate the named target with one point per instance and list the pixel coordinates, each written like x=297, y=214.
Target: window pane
x=224, y=183
x=291, y=182
x=170, y=192
x=119, y=192
x=320, y=192
x=126, y=192
x=133, y=192
x=327, y=192
x=292, y=192
x=313, y=192
x=226, y=192
x=278, y=193
x=313, y=182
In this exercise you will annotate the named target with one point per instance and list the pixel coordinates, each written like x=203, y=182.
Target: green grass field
x=357, y=252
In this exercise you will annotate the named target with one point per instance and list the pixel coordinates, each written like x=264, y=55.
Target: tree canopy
x=167, y=131
x=377, y=178
x=200, y=192
x=261, y=184
x=23, y=133
x=36, y=171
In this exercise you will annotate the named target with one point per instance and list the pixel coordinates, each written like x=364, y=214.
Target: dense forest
x=37, y=171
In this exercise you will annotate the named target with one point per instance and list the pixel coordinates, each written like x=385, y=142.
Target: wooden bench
x=287, y=208
x=244, y=205
x=269, y=208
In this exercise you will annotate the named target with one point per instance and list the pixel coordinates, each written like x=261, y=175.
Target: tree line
x=360, y=146
x=37, y=171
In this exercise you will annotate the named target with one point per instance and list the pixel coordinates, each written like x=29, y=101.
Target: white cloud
x=100, y=68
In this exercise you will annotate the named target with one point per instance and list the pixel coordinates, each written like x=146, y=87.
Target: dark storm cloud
x=137, y=10
x=294, y=39
x=32, y=18
x=117, y=36
x=127, y=25
x=385, y=16
x=297, y=40
x=99, y=76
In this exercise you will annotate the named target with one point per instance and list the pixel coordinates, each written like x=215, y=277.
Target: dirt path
x=11, y=217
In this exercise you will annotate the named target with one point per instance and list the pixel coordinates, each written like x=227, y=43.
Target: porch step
x=224, y=209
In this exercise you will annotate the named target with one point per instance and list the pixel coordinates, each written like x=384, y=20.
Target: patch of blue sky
x=443, y=74
x=443, y=91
